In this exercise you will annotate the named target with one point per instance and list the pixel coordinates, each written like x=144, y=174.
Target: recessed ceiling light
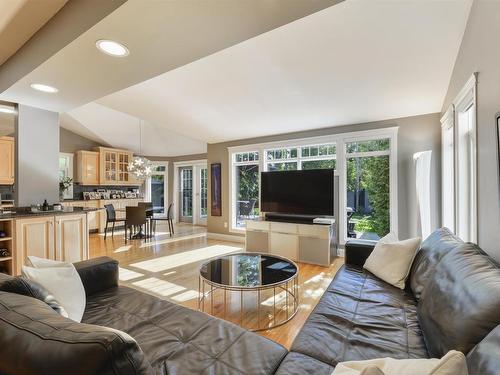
x=44, y=88
x=112, y=48
x=7, y=109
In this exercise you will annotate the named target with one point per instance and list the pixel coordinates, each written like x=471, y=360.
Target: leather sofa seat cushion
x=432, y=250
x=361, y=317
x=36, y=340
x=178, y=340
x=484, y=358
x=300, y=364
x=460, y=304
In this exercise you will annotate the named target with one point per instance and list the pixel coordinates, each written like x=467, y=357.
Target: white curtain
x=422, y=162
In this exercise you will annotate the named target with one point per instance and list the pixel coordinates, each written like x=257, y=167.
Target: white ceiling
x=161, y=35
x=357, y=61
x=110, y=127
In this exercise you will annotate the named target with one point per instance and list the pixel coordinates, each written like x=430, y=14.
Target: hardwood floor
x=169, y=267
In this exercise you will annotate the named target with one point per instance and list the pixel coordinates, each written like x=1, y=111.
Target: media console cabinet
x=307, y=243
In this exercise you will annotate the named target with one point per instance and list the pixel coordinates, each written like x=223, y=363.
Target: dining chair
x=168, y=218
x=134, y=217
x=148, y=206
x=111, y=218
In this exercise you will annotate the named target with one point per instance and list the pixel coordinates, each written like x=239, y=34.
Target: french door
x=191, y=193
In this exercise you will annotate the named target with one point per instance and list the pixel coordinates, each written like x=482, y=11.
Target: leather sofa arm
x=357, y=251
x=98, y=274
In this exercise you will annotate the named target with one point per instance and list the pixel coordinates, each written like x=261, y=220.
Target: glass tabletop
x=248, y=270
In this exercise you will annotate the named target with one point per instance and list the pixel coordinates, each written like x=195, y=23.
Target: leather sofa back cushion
x=484, y=358
x=36, y=340
x=460, y=304
x=25, y=287
x=435, y=247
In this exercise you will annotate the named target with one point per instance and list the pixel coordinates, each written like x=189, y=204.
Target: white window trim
x=177, y=165
x=339, y=139
x=165, y=180
x=466, y=98
x=447, y=122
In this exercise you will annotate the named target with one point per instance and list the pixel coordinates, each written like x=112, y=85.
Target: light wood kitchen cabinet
x=34, y=236
x=93, y=217
x=71, y=237
x=87, y=167
x=113, y=166
x=59, y=237
x=6, y=160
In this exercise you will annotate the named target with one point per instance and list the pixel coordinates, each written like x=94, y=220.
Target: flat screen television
x=306, y=192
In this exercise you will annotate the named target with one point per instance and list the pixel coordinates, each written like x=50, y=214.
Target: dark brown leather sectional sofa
x=452, y=301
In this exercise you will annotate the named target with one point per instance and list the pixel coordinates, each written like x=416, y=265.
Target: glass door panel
x=158, y=192
x=202, y=195
x=186, y=194
x=368, y=197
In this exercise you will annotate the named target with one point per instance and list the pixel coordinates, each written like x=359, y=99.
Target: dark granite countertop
x=18, y=212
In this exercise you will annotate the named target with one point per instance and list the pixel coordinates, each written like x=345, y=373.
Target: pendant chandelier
x=140, y=167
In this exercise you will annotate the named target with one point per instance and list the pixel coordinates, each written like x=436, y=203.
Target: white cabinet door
x=285, y=245
x=71, y=237
x=34, y=236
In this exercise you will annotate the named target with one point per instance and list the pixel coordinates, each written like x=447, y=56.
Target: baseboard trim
x=341, y=252
x=225, y=237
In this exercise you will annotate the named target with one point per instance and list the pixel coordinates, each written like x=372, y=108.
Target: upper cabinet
x=87, y=167
x=6, y=160
x=113, y=167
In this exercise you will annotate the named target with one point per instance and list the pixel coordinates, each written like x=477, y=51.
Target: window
x=368, y=188
x=156, y=188
x=448, y=170
x=66, y=170
x=367, y=166
x=246, y=187
x=466, y=174
x=459, y=174
x=203, y=192
x=297, y=158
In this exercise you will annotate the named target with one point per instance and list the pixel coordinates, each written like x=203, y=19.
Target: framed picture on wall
x=216, y=185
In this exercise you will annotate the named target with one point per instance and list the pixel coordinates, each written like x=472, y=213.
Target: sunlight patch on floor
x=315, y=279
x=171, y=240
x=160, y=287
x=122, y=249
x=126, y=274
x=280, y=298
x=167, y=262
x=186, y=296
x=314, y=293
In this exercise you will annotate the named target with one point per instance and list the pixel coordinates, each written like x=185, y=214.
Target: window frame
x=466, y=99
x=339, y=140
x=147, y=187
x=448, y=124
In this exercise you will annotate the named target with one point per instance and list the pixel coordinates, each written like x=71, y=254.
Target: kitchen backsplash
x=78, y=190
x=7, y=191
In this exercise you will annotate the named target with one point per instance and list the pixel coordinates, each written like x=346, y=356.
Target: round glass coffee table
x=259, y=290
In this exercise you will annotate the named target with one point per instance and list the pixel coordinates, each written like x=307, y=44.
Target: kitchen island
x=55, y=234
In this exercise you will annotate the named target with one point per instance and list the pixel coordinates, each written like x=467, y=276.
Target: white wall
x=480, y=52
x=37, y=156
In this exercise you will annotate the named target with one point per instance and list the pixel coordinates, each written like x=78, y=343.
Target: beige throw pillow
x=453, y=363
x=391, y=259
x=62, y=280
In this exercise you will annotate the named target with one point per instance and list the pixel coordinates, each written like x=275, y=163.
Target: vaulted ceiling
x=219, y=70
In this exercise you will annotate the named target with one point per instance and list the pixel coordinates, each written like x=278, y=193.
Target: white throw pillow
x=391, y=259
x=62, y=280
x=453, y=363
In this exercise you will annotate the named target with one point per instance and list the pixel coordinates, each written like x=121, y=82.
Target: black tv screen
x=307, y=192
